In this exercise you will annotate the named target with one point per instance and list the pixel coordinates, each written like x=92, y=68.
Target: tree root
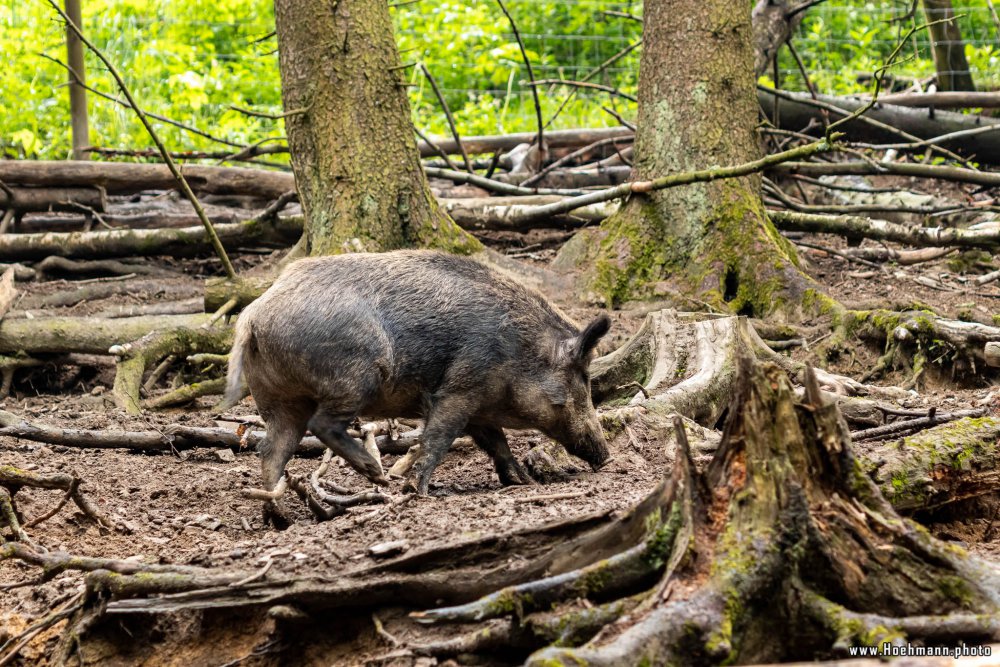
x=135, y=358
x=14, y=478
x=780, y=516
x=187, y=393
x=312, y=491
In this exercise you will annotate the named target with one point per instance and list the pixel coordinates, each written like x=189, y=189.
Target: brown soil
x=189, y=508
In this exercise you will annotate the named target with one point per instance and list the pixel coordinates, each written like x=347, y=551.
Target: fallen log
x=154, y=220
x=505, y=142
x=943, y=100
x=88, y=335
x=798, y=112
x=121, y=178
x=883, y=230
x=74, y=197
x=860, y=168
x=502, y=213
x=573, y=179
x=180, y=242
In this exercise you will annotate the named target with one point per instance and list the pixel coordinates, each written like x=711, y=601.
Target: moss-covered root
x=135, y=358
x=570, y=627
x=621, y=572
x=188, y=393
x=948, y=464
x=962, y=344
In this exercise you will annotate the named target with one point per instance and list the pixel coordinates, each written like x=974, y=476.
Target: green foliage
x=190, y=61
x=840, y=42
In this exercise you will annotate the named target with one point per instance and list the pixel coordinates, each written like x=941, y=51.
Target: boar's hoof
x=418, y=484
x=550, y=462
x=512, y=473
x=276, y=515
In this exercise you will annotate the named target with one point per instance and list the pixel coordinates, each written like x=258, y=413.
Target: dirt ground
x=188, y=508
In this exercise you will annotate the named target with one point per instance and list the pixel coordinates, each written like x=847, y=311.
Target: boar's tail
x=234, y=376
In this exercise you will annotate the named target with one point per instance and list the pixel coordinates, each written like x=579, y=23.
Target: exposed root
x=14, y=479
x=781, y=520
x=135, y=358
x=187, y=393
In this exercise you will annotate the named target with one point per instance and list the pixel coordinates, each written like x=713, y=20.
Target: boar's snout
x=591, y=446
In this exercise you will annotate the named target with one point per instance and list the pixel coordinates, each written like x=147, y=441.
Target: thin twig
x=531, y=77
x=585, y=84
x=440, y=151
x=448, y=116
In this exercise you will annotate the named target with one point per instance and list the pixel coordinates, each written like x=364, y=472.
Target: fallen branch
x=119, y=178
x=673, y=180
x=179, y=242
x=71, y=199
x=171, y=438
x=883, y=230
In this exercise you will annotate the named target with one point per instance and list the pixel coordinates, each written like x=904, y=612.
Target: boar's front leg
x=445, y=422
x=493, y=441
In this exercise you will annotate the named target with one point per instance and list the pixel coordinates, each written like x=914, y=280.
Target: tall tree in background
x=350, y=133
x=947, y=47
x=697, y=108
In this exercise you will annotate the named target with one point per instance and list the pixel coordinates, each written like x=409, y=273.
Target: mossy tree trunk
x=711, y=242
x=356, y=163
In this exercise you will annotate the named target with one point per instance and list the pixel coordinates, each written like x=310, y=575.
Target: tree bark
x=351, y=138
x=947, y=47
x=712, y=241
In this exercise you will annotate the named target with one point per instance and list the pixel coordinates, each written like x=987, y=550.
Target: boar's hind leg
x=332, y=432
x=447, y=420
x=493, y=441
x=286, y=424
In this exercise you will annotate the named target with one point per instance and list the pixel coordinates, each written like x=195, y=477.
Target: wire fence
x=193, y=61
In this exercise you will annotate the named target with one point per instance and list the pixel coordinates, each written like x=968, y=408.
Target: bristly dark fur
x=414, y=333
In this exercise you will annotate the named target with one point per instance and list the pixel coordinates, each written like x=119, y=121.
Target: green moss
x=955, y=589
x=661, y=536
x=732, y=259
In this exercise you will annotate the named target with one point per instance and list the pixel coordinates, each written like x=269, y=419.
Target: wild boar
x=413, y=333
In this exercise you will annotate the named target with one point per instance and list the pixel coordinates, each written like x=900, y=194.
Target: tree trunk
x=697, y=108
x=355, y=159
x=947, y=47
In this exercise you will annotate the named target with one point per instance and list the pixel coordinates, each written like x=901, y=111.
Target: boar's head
x=560, y=404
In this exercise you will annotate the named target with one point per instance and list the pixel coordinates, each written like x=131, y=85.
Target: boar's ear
x=587, y=340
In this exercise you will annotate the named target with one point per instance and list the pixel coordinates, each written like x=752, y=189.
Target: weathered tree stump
x=783, y=519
